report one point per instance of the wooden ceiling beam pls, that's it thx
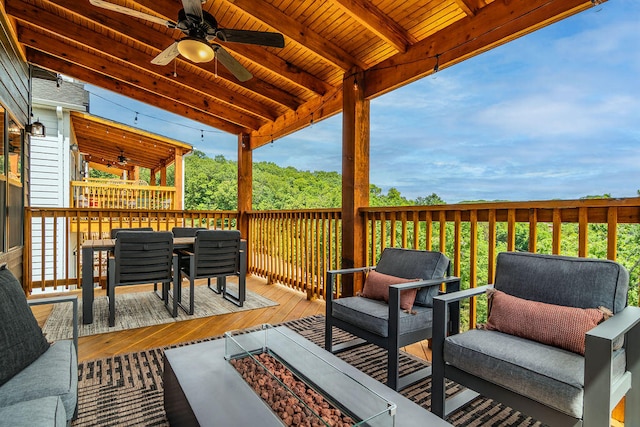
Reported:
(377, 22)
(51, 42)
(146, 33)
(274, 18)
(103, 167)
(150, 95)
(149, 83)
(471, 7)
(276, 65)
(120, 52)
(494, 25)
(256, 54)
(317, 109)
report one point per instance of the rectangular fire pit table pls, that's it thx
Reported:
(202, 388)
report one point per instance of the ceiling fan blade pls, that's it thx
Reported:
(167, 55)
(131, 12)
(262, 38)
(193, 7)
(231, 64)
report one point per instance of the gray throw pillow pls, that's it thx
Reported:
(21, 339)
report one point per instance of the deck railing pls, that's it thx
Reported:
(297, 247)
(54, 236)
(471, 235)
(120, 194)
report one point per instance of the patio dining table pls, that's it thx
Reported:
(89, 247)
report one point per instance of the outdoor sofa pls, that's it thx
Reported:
(38, 380)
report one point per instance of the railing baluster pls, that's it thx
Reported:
(612, 233)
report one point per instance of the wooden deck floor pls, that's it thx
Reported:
(291, 305)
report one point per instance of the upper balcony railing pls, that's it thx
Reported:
(297, 247)
(121, 194)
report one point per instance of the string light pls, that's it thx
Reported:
(311, 121)
(355, 84)
(135, 121)
(437, 66)
(153, 117)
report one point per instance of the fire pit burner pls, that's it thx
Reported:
(301, 387)
(293, 400)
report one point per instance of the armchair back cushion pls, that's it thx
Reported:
(568, 281)
(21, 339)
(411, 264)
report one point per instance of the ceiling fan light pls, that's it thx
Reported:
(195, 50)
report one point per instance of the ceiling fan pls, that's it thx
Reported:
(122, 159)
(200, 30)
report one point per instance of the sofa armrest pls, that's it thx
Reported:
(73, 299)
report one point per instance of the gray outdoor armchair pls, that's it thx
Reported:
(386, 324)
(216, 254)
(547, 349)
(141, 257)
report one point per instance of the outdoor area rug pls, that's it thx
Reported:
(126, 390)
(140, 309)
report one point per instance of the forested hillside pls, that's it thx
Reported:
(212, 184)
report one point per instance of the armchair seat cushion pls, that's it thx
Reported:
(44, 377)
(550, 375)
(373, 315)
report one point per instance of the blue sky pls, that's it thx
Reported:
(552, 115)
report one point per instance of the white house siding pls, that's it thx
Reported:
(50, 188)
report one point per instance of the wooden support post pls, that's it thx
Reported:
(245, 189)
(179, 180)
(355, 174)
(163, 176)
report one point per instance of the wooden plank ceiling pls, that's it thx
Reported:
(120, 147)
(394, 42)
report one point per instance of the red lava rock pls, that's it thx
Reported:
(287, 407)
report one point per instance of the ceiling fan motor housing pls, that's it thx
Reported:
(192, 26)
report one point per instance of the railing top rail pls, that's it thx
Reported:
(134, 212)
(543, 204)
(129, 186)
(295, 211)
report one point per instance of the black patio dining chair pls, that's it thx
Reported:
(216, 254)
(186, 231)
(395, 308)
(114, 231)
(141, 257)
